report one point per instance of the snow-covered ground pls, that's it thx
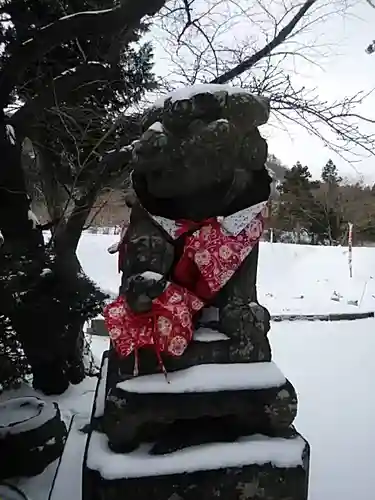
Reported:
(291, 278)
(332, 368)
(330, 364)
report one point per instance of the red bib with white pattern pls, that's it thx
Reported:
(210, 257)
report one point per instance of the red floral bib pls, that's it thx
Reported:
(211, 256)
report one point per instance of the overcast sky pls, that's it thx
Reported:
(345, 70)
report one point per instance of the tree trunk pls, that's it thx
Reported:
(54, 197)
(22, 260)
(65, 242)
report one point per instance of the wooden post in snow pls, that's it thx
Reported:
(350, 247)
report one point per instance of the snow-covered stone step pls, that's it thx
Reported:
(204, 334)
(209, 378)
(256, 395)
(68, 479)
(100, 394)
(249, 468)
(257, 449)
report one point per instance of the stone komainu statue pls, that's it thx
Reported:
(222, 425)
(200, 159)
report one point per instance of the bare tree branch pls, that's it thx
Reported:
(267, 49)
(275, 53)
(305, 108)
(59, 89)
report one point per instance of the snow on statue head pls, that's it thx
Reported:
(201, 184)
(201, 153)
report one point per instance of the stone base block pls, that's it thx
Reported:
(200, 404)
(255, 468)
(208, 346)
(67, 483)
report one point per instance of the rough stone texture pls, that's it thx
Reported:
(255, 482)
(243, 109)
(229, 351)
(148, 249)
(249, 483)
(201, 138)
(132, 418)
(29, 453)
(201, 156)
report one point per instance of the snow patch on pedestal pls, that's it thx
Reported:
(100, 399)
(188, 92)
(157, 127)
(209, 378)
(24, 414)
(252, 450)
(151, 275)
(208, 335)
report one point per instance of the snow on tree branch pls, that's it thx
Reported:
(124, 17)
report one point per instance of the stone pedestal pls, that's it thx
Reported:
(213, 431)
(221, 426)
(203, 403)
(255, 467)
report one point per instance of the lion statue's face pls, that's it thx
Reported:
(204, 150)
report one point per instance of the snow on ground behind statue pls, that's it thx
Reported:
(305, 279)
(331, 365)
(332, 368)
(291, 278)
